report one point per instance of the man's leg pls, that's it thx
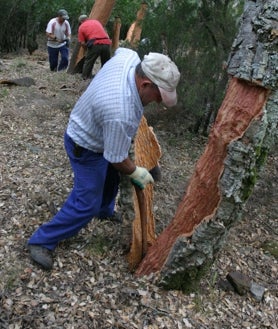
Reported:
(64, 62)
(83, 203)
(110, 192)
(105, 54)
(90, 58)
(53, 54)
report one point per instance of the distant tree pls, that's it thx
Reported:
(14, 17)
(197, 35)
(22, 20)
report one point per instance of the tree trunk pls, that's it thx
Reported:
(134, 33)
(101, 11)
(225, 175)
(116, 33)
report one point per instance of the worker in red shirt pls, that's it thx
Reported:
(93, 38)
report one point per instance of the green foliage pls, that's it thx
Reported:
(197, 35)
(25, 18)
(126, 10)
(48, 9)
(13, 17)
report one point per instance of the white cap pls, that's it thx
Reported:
(162, 71)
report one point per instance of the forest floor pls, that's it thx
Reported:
(90, 285)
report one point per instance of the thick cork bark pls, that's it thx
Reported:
(147, 154)
(225, 175)
(243, 104)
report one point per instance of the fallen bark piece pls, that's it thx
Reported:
(25, 82)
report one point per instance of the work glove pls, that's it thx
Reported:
(141, 177)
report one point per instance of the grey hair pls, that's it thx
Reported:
(139, 71)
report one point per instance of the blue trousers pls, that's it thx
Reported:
(93, 195)
(53, 56)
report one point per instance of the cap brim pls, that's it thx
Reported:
(65, 17)
(169, 98)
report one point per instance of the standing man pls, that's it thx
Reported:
(58, 34)
(96, 42)
(101, 127)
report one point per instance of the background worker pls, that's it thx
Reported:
(58, 34)
(95, 40)
(101, 127)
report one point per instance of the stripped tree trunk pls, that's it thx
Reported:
(116, 33)
(101, 11)
(134, 33)
(225, 175)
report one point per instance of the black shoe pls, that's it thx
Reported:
(41, 255)
(116, 218)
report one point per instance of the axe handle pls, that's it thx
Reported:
(143, 218)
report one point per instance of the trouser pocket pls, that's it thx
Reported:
(77, 150)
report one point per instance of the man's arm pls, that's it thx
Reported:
(140, 176)
(51, 36)
(125, 167)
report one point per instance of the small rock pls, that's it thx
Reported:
(257, 291)
(225, 285)
(240, 282)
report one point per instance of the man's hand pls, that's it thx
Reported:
(67, 42)
(141, 177)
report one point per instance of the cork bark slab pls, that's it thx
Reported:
(147, 154)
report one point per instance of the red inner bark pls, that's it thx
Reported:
(242, 104)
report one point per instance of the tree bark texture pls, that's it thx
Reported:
(101, 11)
(225, 175)
(146, 153)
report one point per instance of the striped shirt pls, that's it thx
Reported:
(106, 117)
